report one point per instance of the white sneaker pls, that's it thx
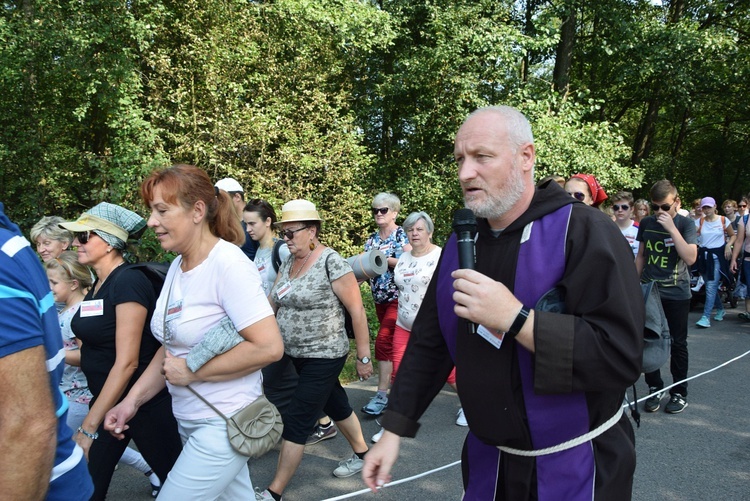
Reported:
(350, 467)
(375, 438)
(461, 418)
(698, 285)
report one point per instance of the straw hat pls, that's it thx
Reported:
(298, 210)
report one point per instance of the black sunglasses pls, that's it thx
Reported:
(578, 195)
(84, 236)
(379, 210)
(743, 205)
(618, 207)
(289, 234)
(664, 207)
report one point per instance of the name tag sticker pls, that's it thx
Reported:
(174, 310)
(284, 290)
(669, 242)
(92, 308)
(261, 267)
(492, 336)
(384, 248)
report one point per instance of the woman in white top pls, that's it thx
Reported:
(412, 276)
(259, 217)
(210, 279)
(715, 239)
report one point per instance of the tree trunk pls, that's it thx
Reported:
(564, 53)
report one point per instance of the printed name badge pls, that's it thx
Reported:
(284, 290)
(495, 338)
(384, 248)
(92, 308)
(669, 242)
(174, 310)
(261, 268)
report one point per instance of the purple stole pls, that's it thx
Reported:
(553, 419)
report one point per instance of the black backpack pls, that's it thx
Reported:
(276, 255)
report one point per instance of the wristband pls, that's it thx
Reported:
(92, 436)
(518, 322)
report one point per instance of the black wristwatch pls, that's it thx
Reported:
(518, 322)
(364, 360)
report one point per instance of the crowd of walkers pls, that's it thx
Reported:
(127, 376)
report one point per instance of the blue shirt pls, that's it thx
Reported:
(28, 318)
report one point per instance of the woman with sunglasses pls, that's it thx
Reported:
(622, 205)
(117, 346)
(311, 291)
(391, 240)
(715, 240)
(586, 188)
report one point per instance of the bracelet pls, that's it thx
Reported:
(92, 436)
(518, 322)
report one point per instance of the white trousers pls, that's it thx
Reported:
(208, 468)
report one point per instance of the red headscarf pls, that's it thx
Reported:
(598, 194)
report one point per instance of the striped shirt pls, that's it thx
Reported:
(28, 318)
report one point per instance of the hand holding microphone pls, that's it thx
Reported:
(465, 227)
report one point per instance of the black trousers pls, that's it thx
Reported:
(154, 431)
(676, 312)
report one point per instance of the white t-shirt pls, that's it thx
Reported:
(264, 262)
(227, 283)
(412, 276)
(712, 233)
(630, 233)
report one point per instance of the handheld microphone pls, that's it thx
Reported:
(465, 227)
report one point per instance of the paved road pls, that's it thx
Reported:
(700, 454)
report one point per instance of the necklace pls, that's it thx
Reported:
(304, 262)
(99, 284)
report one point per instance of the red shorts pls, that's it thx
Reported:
(387, 314)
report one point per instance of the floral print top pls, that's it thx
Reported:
(384, 289)
(73, 383)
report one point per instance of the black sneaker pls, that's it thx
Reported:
(652, 404)
(321, 433)
(676, 404)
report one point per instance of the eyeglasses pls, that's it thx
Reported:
(84, 236)
(289, 234)
(621, 207)
(743, 205)
(664, 207)
(577, 195)
(379, 210)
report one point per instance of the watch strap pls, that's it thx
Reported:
(519, 322)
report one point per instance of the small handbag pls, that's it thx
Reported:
(252, 431)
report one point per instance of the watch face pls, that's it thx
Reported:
(365, 360)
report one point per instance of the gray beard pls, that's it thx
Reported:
(496, 205)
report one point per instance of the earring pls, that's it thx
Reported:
(109, 250)
(312, 246)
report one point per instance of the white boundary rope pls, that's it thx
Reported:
(430, 472)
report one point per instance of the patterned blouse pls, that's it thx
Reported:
(384, 289)
(73, 384)
(310, 315)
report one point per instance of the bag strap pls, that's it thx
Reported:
(276, 254)
(163, 337)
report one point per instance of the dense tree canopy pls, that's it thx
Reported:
(336, 100)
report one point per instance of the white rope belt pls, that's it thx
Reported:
(574, 442)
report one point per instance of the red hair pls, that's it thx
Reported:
(185, 185)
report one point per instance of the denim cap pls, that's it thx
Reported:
(114, 224)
